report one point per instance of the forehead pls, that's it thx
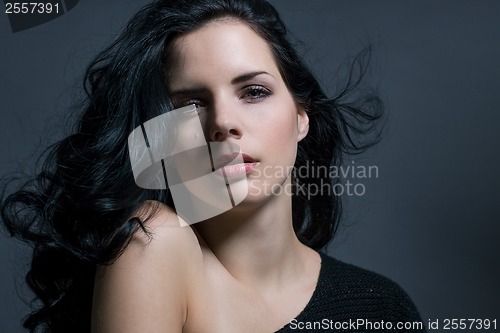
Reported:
(220, 49)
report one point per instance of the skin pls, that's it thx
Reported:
(241, 271)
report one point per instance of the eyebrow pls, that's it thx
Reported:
(236, 80)
(247, 76)
(188, 92)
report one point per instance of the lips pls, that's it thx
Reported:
(232, 159)
(235, 164)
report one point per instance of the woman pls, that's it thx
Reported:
(114, 255)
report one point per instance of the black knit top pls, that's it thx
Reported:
(351, 299)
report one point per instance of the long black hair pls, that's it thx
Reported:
(76, 211)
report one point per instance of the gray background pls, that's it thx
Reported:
(429, 222)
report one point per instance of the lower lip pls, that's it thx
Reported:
(235, 170)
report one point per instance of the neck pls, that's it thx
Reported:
(257, 245)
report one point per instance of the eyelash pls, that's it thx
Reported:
(247, 95)
(196, 102)
(263, 93)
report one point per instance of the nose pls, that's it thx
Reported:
(224, 123)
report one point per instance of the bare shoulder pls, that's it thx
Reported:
(145, 289)
(165, 229)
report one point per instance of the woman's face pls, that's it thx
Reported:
(230, 72)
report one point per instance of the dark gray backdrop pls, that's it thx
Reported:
(429, 221)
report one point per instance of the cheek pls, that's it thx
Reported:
(274, 124)
(285, 123)
(281, 136)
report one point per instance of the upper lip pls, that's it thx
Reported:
(229, 159)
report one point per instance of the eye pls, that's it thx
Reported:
(254, 94)
(195, 102)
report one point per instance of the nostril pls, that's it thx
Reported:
(220, 134)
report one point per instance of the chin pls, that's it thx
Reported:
(260, 192)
